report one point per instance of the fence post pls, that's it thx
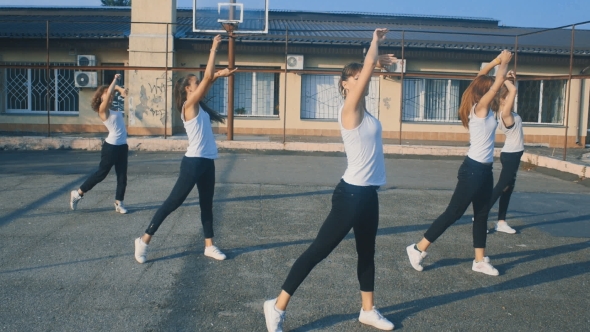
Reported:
(166, 88)
(285, 86)
(47, 102)
(569, 88)
(401, 93)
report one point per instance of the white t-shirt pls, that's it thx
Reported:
(514, 136)
(482, 134)
(364, 152)
(116, 126)
(201, 142)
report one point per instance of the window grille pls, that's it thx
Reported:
(541, 101)
(26, 90)
(435, 100)
(321, 99)
(255, 94)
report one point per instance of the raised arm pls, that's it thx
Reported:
(208, 78)
(488, 68)
(353, 109)
(122, 91)
(481, 110)
(103, 109)
(506, 108)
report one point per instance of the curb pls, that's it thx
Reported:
(180, 144)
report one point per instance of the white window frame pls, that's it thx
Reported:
(422, 103)
(30, 110)
(254, 96)
(540, 110)
(332, 107)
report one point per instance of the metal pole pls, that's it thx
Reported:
(230, 80)
(230, 87)
(285, 86)
(515, 54)
(166, 88)
(47, 71)
(401, 91)
(569, 87)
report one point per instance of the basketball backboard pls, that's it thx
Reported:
(247, 16)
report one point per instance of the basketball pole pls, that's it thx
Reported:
(230, 84)
(231, 61)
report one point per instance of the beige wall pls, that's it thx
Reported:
(150, 89)
(151, 45)
(86, 120)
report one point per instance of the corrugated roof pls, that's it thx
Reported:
(430, 32)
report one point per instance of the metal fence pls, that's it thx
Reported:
(426, 97)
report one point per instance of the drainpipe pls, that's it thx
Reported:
(581, 113)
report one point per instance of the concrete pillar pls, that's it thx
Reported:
(150, 92)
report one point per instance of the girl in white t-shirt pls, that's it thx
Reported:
(510, 124)
(355, 204)
(197, 167)
(475, 178)
(114, 148)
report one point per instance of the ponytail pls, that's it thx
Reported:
(180, 98)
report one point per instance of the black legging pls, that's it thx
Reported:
(110, 155)
(505, 186)
(353, 207)
(193, 171)
(474, 186)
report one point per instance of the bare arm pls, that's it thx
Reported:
(103, 109)
(488, 68)
(122, 91)
(353, 109)
(481, 110)
(208, 78)
(506, 109)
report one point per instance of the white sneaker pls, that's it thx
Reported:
(214, 252)
(274, 318)
(415, 257)
(119, 207)
(375, 319)
(504, 228)
(485, 267)
(140, 251)
(74, 199)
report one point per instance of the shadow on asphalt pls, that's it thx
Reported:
(536, 278)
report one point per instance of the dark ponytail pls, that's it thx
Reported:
(180, 98)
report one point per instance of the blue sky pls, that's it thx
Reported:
(523, 13)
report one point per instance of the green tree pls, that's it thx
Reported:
(116, 2)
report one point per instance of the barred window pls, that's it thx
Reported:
(255, 94)
(26, 89)
(435, 100)
(541, 101)
(321, 99)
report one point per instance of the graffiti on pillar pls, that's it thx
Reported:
(151, 100)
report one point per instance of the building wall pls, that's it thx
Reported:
(150, 90)
(86, 120)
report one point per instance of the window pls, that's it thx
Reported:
(321, 99)
(255, 94)
(26, 90)
(541, 101)
(433, 99)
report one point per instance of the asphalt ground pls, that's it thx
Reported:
(64, 270)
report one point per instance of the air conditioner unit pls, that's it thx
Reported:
(398, 66)
(86, 60)
(85, 79)
(294, 61)
(492, 72)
